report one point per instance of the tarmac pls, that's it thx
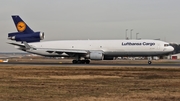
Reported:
(91, 64)
(68, 62)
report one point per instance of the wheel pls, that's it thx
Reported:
(82, 61)
(74, 61)
(149, 62)
(87, 61)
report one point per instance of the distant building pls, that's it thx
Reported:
(175, 56)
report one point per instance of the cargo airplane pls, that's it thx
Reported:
(84, 50)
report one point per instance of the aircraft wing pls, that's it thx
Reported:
(67, 51)
(59, 51)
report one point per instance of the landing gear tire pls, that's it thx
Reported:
(75, 61)
(87, 61)
(149, 62)
(81, 61)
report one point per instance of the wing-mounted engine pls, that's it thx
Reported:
(98, 55)
(27, 37)
(95, 55)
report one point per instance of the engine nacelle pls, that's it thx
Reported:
(95, 55)
(30, 37)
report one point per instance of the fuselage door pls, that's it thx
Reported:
(158, 46)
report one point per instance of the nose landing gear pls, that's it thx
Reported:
(149, 60)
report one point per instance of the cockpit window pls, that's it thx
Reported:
(165, 45)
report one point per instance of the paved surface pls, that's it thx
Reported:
(91, 64)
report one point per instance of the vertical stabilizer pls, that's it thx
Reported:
(25, 33)
(20, 25)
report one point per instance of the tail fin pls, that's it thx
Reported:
(24, 34)
(21, 26)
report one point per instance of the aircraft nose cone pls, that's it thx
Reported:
(171, 48)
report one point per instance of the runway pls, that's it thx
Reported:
(112, 82)
(92, 64)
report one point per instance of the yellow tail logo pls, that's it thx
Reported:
(21, 26)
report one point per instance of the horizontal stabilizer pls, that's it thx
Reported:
(27, 45)
(15, 44)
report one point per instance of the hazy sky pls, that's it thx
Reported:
(93, 19)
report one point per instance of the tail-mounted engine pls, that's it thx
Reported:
(28, 37)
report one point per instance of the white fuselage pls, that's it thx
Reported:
(108, 47)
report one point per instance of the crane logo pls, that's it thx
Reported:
(21, 26)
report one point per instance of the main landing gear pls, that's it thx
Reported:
(81, 61)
